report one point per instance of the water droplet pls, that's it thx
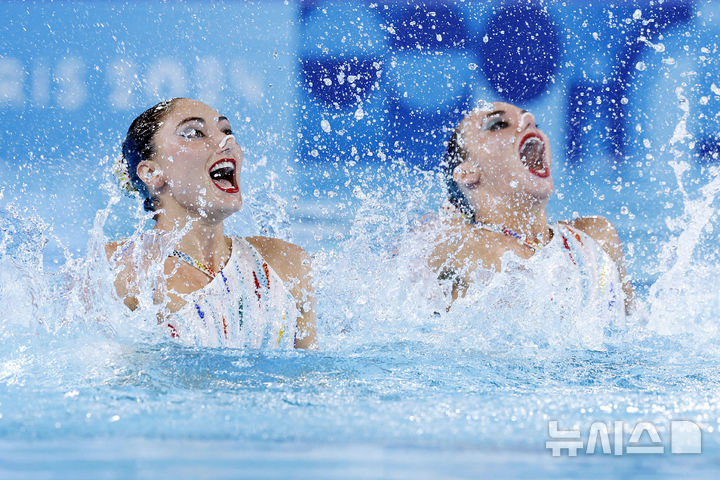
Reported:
(325, 125)
(359, 113)
(641, 66)
(472, 66)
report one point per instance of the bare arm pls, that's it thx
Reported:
(603, 232)
(292, 264)
(125, 282)
(458, 252)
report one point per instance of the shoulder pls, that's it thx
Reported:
(111, 248)
(125, 272)
(115, 250)
(601, 230)
(287, 259)
(459, 247)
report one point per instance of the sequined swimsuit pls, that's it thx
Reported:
(574, 262)
(245, 305)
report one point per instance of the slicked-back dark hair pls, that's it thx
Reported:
(139, 145)
(454, 156)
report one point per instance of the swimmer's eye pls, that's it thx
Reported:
(495, 123)
(192, 133)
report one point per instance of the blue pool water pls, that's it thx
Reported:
(396, 389)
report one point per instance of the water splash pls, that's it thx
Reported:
(393, 359)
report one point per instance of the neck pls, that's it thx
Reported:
(204, 240)
(528, 219)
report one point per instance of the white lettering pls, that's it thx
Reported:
(11, 81)
(165, 79)
(121, 75)
(40, 86)
(246, 85)
(71, 84)
(636, 436)
(563, 440)
(210, 82)
(685, 437)
(598, 429)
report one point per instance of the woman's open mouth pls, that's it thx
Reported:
(222, 173)
(532, 154)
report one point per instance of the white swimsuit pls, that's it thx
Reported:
(245, 305)
(570, 278)
(590, 271)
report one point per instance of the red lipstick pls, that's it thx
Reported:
(223, 175)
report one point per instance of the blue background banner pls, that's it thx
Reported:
(625, 92)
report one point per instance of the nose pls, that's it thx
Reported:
(526, 120)
(225, 143)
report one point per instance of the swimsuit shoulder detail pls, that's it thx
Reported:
(244, 305)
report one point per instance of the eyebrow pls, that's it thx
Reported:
(221, 118)
(500, 112)
(191, 119)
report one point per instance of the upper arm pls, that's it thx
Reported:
(125, 284)
(456, 255)
(603, 232)
(292, 264)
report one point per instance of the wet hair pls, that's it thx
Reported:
(139, 145)
(454, 156)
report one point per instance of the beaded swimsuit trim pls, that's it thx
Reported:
(449, 210)
(261, 281)
(194, 262)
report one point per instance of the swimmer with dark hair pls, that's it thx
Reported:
(497, 171)
(180, 157)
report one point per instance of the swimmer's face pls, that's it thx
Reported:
(198, 161)
(506, 151)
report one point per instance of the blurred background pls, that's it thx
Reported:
(327, 97)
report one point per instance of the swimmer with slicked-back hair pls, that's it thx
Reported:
(498, 175)
(181, 158)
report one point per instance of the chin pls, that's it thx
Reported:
(219, 210)
(228, 208)
(543, 190)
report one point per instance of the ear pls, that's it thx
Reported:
(467, 175)
(152, 176)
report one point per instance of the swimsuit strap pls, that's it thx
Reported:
(508, 233)
(262, 268)
(448, 210)
(194, 262)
